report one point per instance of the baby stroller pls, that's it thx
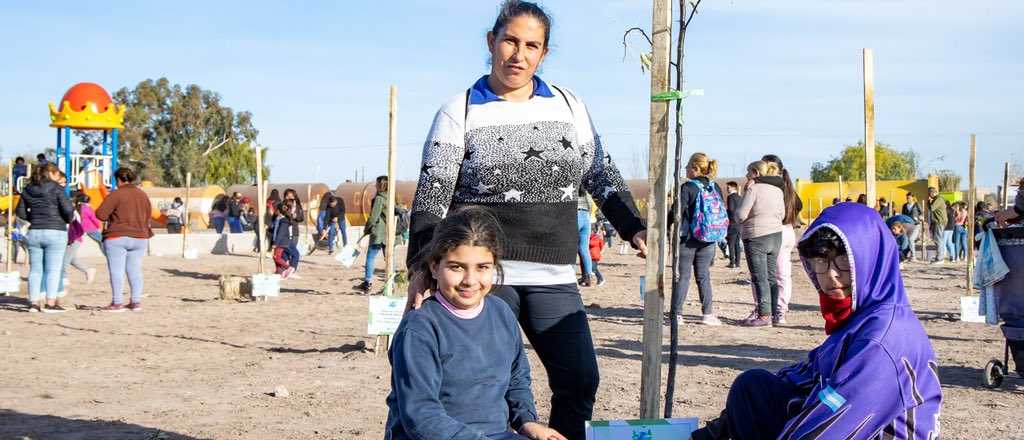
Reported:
(1009, 295)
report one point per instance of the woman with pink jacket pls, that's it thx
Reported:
(761, 216)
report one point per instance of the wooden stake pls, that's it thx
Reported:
(185, 226)
(389, 259)
(841, 188)
(309, 210)
(657, 177)
(1006, 186)
(260, 187)
(971, 196)
(869, 127)
(10, 214)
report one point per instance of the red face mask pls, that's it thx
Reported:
(835, 311)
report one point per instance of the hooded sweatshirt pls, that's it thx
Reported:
(875, 376)
(763, 208)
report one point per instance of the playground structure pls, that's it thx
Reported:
(87, 106)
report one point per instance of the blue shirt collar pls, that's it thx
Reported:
(481, 92)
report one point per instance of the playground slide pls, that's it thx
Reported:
(96, 195)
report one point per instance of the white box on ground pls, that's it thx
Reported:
(266, 285)
(654, 429)
(191, 254)
(10, 282)
(385, 314)
(969, 309)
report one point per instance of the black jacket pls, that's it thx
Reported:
(45, 207)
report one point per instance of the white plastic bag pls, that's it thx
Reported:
(347, 255)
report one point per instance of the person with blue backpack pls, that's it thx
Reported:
(703, 222)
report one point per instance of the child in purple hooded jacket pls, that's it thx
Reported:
(874, 376)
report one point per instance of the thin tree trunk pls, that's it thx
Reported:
(677, 207)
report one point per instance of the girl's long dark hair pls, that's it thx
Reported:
(789, 195)
(42, 173)
(471, 225)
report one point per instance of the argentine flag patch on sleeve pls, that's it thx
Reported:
(831, 398)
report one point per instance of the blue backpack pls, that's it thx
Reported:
(710, 221)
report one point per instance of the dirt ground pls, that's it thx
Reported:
(190, 366)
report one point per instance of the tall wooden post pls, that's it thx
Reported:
(869, 127)
(841, 188)
(185, 213)
(657, 177)
(10, 215)
(389, 257)
(971, 201)
(260, 187)
(1006, 186)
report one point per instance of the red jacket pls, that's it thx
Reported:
(596, 244)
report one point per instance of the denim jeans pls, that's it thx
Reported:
(762, 262)
(597, 272)
(45, 255)
(912, 233)
(235, 225)
(371, 257)
(583, 248)
(218, 224)
(695, 258)
(947, 243)
(124, 254)
(940, 245)
(960, 242)
(71, 259)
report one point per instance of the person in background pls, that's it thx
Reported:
(902, 227)
(126, 212)
(1015, 213)
(609, 233)
(280, 237)
(583, 227)
(784, 274)
(862, 199)
(20, 170)
(41, 160)
(596, 245)
(695, 254)
(234, 213)
(218, 211)
(174, 214)
(334, 219)
(960, 231)
(761, 216)
(45, 206)
(982, 213)
(937, 219)
(836, 201)
(732, 238)
(298, 218)
(376, 228)
(875, 376)
(884, 208)
(848, 199)
(913, 210)
(75, 233)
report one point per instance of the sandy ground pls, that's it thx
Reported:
(190, 366)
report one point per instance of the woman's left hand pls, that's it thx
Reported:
(640, 242)
(536, 431)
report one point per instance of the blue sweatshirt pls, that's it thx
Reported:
(455, 378)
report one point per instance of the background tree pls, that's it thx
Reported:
(949, 180)
(890, 164)
(174, 129)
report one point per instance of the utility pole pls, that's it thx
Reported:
(869, 126)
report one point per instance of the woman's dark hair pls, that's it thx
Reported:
(125, 174)
(298, 203)
(823, 243)
(862, 199)
(789, 195)
(382, 184)
(466, 226)
(511, 9)
(42, 173)
(220, 202)
(275, 196)
(178, 200)
(79, 197)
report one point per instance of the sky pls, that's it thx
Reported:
(778, 77)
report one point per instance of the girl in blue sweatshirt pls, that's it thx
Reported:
(459, 370)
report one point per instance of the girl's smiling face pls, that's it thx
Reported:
(465, 275)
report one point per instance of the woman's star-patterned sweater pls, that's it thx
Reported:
(525, 161)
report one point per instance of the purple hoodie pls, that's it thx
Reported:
(875, 376)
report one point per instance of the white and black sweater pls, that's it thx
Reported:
(524, 160)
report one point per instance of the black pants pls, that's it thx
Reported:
(695, 258)
(556, 326)
(733, 239)
(762, 261)
(758, 407)
(174, 228)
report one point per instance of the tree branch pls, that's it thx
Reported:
(693, 11)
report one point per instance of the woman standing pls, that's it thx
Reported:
(126, 211)
(298, 219)
(522, 147)
(695, 255)
(784, 264)
(47, 208)
(376, 228)
(761, 216)
(960, 231)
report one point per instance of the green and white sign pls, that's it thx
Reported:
(385, 314)
(653, 429)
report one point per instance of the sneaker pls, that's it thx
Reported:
(710, 320)
(760, 321)
(287, 273)
(90, 275)
(585, 281)
(752, 315)
(115, 308)
(600, 282)
(134, 306)
(779, 319)
(54, 309)
(34, 308)
(364, 286)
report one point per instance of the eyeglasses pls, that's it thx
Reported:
(821, 266)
